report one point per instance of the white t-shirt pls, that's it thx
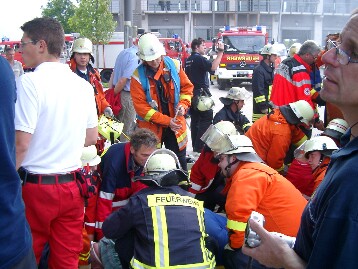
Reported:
(56, 106)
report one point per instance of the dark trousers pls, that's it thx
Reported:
(238, 260)
(213, 196)
(28, 262)
(170, 142)
(200, 122)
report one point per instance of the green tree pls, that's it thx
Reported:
(93, 20)
(60, 10)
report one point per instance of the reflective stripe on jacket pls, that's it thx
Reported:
(150, 115)
(292, 82)
(169, 229)
(257, 187)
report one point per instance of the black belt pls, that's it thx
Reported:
(50, 179)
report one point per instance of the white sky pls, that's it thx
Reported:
(15, 13)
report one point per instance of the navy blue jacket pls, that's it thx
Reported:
(328, 234)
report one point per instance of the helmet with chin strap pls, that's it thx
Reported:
(162, 168)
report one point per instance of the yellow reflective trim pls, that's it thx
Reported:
(165, 243)
(203, 265)
(174, 200)
(299, 143)
(236, 225)
(246, 125)
(313, 91)
(255, 117)
(281, 168)
(260, 99)
(149, 114)
(155, 236)
(185, 96)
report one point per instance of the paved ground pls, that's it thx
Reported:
(216, 93)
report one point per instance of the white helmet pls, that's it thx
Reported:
(336, 128)
(323, 144)
(205, 103)
(274, 50)
(149, 47)
(295, 47)
(266, 49)
(82, 45)
(89, 156)
(214, 135)
(303, 111)
(235, 93)
(163, 168)
(241, 146)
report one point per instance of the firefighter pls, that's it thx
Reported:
(80, 64)
(197, 67)
(161, 94)
(272, 135)
(119, 165)
(300, 176)
(167, 224)
(253, 186)
(206, 179)
(317, 152)
(233, 103)
(262, 78)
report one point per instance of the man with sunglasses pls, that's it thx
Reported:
(327, 237)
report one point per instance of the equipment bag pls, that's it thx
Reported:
(86, 182)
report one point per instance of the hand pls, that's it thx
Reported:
(174, 126)
(108, 112)
(319, 125)
(180, 110)
(264, 111)
(273, 250)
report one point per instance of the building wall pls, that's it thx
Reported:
(300, 19)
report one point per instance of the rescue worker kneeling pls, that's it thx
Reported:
(167, 224)
(254, 186)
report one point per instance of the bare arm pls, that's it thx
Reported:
(91, 136)
(23, 140)
(273, 251)
(120, 85)
(220, 53)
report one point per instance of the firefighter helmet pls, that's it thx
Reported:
(303, 111)
(295, 47)
(241, 146)
(89, 156)
(323, 144)
(235, 93)
(82, 45)
(274, 50)
(214, 135)
(205, 103)
(163, 169)
(266, 49)
(149, 47)
(336, 128)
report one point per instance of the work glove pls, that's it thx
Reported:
(108, 112)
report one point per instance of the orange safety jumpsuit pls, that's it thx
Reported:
(95, 79)
(320, 172)
(154, 119)
(257, 187)
(272, 136)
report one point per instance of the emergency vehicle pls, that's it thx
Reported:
(16, 46)
(241, 54)
(107, 54)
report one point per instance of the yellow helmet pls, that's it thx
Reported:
(149, 47)
(82, 45)
(295, 47)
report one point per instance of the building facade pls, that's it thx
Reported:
(287, 21)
